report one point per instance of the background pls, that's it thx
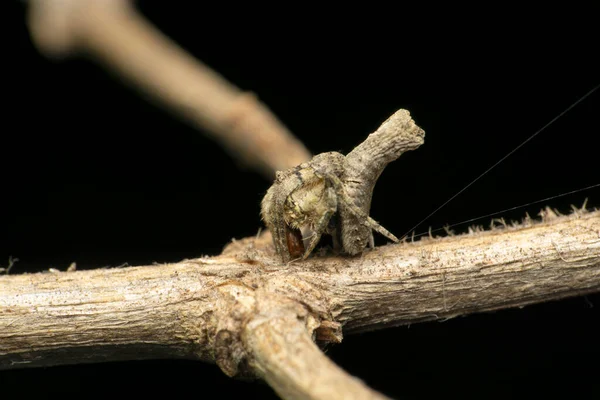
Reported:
(90, 172)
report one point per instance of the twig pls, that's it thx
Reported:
(113, 33)
(11, 263)
(287, 358)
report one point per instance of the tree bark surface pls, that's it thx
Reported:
(201, 308)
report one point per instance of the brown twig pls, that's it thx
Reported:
(214, 309)
(285, 355)
(113, 33)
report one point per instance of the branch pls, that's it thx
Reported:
(285, 355)
(113, 33)
(215, 309)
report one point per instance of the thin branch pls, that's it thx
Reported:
(113, 33)
(285, 355)
(211, 308)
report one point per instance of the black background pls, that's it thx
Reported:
(91, 172)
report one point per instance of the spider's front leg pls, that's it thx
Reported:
(327, 206)
(354, 245)
(287, 239)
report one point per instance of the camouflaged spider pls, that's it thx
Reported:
(308, 196)
(332, 193)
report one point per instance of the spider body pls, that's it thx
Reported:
(306, 198)
(301, 198)
(331, 194)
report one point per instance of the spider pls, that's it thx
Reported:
(331, 194)
(310, 196)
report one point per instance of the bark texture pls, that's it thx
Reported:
(208, 308)
(285, 355)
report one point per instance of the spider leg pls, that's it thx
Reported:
(362, 216)
(371, 241)
(272, 214)
(371, 223)
(272, 209)
(322, 223)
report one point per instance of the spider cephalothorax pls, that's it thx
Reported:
(332, 193)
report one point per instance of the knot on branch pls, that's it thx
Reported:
(243, 311)
(236, 305)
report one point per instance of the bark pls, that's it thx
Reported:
(285, 355)
(231, 308)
